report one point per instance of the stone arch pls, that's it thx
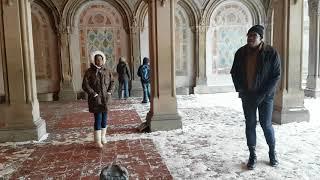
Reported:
(226, 32)
(55, 15)
(101, 28)
(141, 13)
(69, 12)
(46, 55)
(256, 9)
(192, 11)
(77, 33)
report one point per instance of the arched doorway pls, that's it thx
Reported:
(229, 23)
(184, 52)
(45, 54)
(101, 28)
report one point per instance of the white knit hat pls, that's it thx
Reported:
(94, 53)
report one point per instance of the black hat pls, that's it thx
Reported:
(257, 29)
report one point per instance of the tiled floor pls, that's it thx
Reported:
(69, 153)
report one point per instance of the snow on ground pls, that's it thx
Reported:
(212, 143)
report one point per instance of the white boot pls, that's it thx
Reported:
(97, 138)
(103, 135)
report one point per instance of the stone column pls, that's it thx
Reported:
(268, 34)
(288, 31)
(201, 74)
(313, 79)
(163, 114)
(20, 113)
(136, 89)
(67, 91)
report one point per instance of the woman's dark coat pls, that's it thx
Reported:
(98, 81)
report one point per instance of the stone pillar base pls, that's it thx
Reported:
(204, 89)
(18, 135)
(44, 97)
(2, 99)
(298, 114)
(312, 93)
(67, 93)
(21, 123)
(164, 122)
(183, 90)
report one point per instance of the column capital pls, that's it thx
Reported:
(64, 29)
(134, 28)
(201, 29)
(163, 2)
(314, 7)
(9, 2)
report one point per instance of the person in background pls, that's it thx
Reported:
(144, 74)
(255, 73)
(98, 83)
(123, 77)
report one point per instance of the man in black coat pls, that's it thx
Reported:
(255, 73)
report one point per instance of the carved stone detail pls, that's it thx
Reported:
(163, 2)
(314, 7)
(9, 2)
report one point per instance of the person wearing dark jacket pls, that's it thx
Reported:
(98, 83)
(123, 77)
(255, 73)
(144, 74)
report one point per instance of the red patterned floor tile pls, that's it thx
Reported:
(85, 119)
(124, 117)
(85, 161)
(74, 120)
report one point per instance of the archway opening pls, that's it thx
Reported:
(184, 52)
(47, 65)
(229, 23)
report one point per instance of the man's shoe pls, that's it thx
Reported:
(252, 163)
(273, 156)
(252, 158)
(273, 159)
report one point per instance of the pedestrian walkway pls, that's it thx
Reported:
(69, 153)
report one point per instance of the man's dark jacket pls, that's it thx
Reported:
(267, 73)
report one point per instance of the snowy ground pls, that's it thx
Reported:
(212, 143)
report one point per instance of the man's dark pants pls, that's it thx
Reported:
(265, 108)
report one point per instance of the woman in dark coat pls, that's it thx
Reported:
(124, 77)
(98, 83)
